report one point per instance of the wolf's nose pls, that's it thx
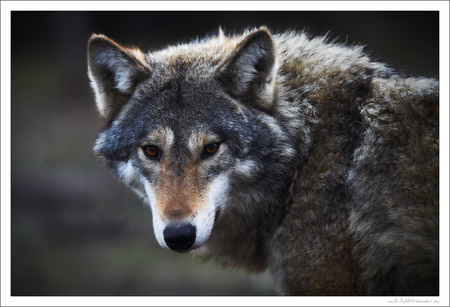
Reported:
(180, 237)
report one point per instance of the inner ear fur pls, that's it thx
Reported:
(248, 73)
(114, 71)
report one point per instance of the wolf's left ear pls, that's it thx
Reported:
(249, 72)
(114, 72)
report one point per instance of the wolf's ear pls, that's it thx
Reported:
(250, 71)
(114, 72)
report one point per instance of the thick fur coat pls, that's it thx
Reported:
(280, 152)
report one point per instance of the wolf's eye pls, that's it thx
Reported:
(210, 149)
(152, 152)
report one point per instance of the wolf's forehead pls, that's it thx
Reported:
(191, 139)
(182, 66)
(197, 54)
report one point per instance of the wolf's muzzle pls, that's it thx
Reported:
(180, 237)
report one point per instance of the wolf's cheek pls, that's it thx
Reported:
(158, 224)
(131, 176)
(213, 208)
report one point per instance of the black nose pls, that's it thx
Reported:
(180, 237)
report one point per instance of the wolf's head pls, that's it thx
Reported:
(193, 129)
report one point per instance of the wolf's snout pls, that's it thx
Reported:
(180, 237)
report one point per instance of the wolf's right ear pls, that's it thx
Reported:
(114, 72)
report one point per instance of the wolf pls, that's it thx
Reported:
(279, 151)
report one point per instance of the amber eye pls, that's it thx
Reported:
(210, 149)
(151, 152)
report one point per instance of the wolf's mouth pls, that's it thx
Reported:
(217, 214)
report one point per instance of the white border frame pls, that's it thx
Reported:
(8, 6)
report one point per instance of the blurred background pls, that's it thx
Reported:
(76, 230)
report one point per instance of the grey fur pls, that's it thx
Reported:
(328, 164)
